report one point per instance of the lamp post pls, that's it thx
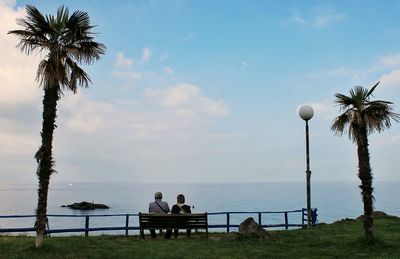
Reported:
(306, 112)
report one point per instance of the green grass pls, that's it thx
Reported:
(342, 239)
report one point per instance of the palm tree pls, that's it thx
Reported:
(65, 41)
(360, 117)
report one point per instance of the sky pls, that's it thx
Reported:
(206, 91)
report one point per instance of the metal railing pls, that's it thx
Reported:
(229, 224)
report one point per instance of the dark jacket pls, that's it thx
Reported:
(177, 210)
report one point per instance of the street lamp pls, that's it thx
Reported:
(306, 112)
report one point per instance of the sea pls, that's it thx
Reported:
(334, 201)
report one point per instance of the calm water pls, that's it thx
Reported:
(334, 200)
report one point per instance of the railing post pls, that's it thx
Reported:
(286, 220)
(48, 227)
(86, 225)
(259, 219)
(227, 222)
(126, 224)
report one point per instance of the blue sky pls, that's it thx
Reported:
(206, 91)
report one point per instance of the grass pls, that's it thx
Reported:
(342, 239)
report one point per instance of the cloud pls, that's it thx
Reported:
(156, 114)
(17, 70)
(12, 143)
(336, 72)
(391, 60)
(396, 138)
(317, 17)
(122, 61)
(187, 99)
(390, 64)
(126, 75)
(124, 68)
(168, 71)
(297, 19)
(325, 110)
(146, 54)
(325, 16)
(391, 79)
(230, 136)
(89, 118)
(163, 57)
(188, 37)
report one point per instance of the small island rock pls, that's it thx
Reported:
(84, 205)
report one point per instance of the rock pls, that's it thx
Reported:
(249, 228)
(84, 205)
(377, 214)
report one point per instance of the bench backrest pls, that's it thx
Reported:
(176, 221)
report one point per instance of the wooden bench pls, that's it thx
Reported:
(172, 221)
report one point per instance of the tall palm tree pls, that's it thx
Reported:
(360, 117)
(65, 41)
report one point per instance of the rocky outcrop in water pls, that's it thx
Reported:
(84, 205)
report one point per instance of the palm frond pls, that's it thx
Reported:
(340, 123)
(343, 101)
(372, 89)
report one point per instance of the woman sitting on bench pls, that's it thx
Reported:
(181, 208)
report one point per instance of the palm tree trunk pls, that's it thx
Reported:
(45, 160)
(365, 176)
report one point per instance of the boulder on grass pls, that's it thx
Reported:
(378, 214)
(249, 228)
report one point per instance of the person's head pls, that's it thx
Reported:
(180, 198)
(158, 195)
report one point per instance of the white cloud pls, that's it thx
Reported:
(146, 54)
(391, 79)
(188, 37)
(325, 110)
(168, 71)
(163, 57)
(88, 117)
(230, 136)
(17, 143)
(297, 19)
(391, 60)
(317, 17)
(122, 61)
(180, 95)
(396, 138)
(17, 70)
(336, 72)
(325, 16)
(126, 75)
(187, 98)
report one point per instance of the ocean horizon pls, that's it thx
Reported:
(334, 200)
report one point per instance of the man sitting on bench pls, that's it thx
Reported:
(161, 207)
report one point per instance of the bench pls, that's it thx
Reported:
(172, 221)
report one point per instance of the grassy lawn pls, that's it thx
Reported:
(342, 239)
